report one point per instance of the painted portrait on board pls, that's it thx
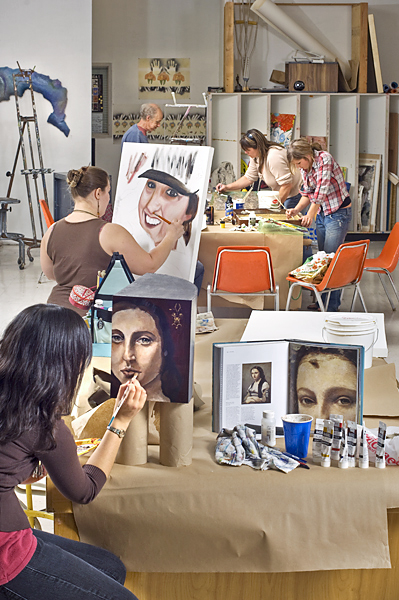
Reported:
(156, 185)
(151, 341)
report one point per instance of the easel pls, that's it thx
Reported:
(25, 77)
(188, 107)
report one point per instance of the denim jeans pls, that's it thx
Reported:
(292, 201)
(64, 569)
(331, 232)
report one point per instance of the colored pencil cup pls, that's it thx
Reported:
(296, 434)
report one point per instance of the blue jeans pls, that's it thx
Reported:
(64, 569)
(292, 202)
(331, 232)
(199, 275)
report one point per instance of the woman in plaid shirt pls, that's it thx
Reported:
(325, 190)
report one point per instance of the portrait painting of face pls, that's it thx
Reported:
(164, 199)
(256, 382)
(326, 382)
(150, 342)
(159, 184)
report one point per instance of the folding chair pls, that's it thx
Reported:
(243, 271)
(345, 270)
(48, 217)
(386, 262)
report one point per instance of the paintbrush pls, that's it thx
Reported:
(125, 395)
(162, 218)
(248, 192)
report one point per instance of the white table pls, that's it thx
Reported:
(294, 325)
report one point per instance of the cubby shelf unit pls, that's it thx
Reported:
(352, 123)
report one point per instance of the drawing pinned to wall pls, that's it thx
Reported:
(281, 128)
(156, 185)
(194, 126)
(51, 90)
(160, 76)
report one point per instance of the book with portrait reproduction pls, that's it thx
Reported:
(285, 376)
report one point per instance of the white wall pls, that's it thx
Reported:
(126, 30)
(55, 37)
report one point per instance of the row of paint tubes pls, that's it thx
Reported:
(346, 445)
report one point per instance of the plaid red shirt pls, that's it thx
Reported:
(324, 184)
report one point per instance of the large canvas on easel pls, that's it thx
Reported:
(171, 181)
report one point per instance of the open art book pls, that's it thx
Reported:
(285, 376)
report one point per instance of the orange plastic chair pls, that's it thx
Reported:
(243, 271)
(386, 262)
(345, 270)
(46, 213)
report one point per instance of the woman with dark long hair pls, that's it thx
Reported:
(258, 391)
(44, 352)
(267, 161)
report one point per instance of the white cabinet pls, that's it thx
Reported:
(353, 124)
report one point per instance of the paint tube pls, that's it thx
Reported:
(328, 431)
(316, 444)
(352, 443)
(380, 452)
(363, 450)
(338, 421)
(343, 451)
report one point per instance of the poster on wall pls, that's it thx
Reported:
(160, 76)
(157, 184)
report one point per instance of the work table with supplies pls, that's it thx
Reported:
(208, 531)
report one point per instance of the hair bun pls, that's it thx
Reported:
(74, 177)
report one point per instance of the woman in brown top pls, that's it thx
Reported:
(75, 248)
(269, 162)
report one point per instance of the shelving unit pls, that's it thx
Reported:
(352, 123)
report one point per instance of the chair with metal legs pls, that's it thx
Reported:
(243, 271)
(345, 270)
(386, 262)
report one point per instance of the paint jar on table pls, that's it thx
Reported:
(222, 223)
(229, 206)
(358, 331)
(268, 428)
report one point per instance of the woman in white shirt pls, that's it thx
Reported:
(267, 161)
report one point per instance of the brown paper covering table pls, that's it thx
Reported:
(207, 532)
(286, 251)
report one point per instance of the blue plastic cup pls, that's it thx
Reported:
(297, 433)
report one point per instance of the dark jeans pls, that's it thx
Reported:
(292, 202)
(199, 275)
(331, 233)
(63, 569)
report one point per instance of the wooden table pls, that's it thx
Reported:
(286, 251)
(344, 584)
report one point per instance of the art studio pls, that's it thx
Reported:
(199, 355)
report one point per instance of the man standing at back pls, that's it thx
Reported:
(150, 118)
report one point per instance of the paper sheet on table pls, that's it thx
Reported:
(381, 394)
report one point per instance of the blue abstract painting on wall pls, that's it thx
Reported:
(51, 90)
